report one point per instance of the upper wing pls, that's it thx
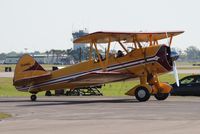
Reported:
(100, 77)
(105, 37)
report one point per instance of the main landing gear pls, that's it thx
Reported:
(150, 85)
(33, 97)
(142, 94)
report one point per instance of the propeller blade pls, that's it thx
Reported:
(175, 73)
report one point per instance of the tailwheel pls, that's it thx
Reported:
(33, 97)
(142, 94)
(161, 96)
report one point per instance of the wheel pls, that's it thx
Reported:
(48, 93)
(142, 94)
(33, 97)
(161, 96)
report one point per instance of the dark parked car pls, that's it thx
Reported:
(189, 86)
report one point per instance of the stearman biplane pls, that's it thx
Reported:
(145, 62)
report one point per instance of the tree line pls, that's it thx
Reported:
(190, 54)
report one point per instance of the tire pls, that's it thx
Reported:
(161, 96)
(142, 94)
(33, 97)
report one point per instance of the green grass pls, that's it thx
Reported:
(3, 115)
(7, 89)
(113, 89)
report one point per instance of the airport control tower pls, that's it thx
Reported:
(78, 34)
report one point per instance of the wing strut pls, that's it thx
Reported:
(99, 57)
(123, 46)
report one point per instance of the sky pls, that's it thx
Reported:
(41, 25)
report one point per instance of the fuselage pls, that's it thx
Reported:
(152, 59)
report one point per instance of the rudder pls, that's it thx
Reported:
(28, 69)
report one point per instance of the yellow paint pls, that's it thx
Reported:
(29, 73)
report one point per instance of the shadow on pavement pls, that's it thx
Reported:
(24, 103)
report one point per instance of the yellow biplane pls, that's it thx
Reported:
(142, 61)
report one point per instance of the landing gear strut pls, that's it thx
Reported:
(33, 97)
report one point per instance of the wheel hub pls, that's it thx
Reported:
(141, 93)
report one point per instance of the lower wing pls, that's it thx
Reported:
(100, 77)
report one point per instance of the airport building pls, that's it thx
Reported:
(11, 60)
(78, 34)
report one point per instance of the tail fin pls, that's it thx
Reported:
(28, 69)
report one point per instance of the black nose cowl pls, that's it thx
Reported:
(174, 55)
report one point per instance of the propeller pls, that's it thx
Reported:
(175, 73)
(174, 57)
